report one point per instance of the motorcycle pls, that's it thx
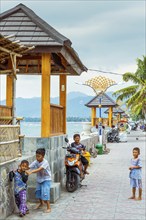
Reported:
(113, 136)
(72, 164)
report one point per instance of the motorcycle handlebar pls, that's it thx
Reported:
(64, 147)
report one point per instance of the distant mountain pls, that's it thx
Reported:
(31, 107)
(72, 95)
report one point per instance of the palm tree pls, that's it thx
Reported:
(135, 95)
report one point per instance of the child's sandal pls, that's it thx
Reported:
(21, 214)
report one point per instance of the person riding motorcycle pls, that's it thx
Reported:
(76, 144)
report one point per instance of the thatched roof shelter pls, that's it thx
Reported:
(102, 100)
(115, 111)
(31, 30)
(106, 101)
(52, 55)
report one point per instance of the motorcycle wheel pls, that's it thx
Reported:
(75, 181)
(110, 140)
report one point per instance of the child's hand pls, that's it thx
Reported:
(28, 172)
(130, 168)
(82, 151)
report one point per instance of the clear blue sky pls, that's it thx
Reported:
(107, 35)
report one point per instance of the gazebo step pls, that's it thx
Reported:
(55, 191)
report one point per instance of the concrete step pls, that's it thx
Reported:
(55, 192)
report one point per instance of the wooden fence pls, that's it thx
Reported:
(5, 115)
(56, 119)
(9, 142)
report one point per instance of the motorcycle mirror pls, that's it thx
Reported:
(66, 140)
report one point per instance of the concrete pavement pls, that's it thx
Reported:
(107, 191)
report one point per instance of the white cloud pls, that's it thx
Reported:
(107, 36)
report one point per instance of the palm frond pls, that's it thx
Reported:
(129, 89)
(125, 93)
(134, 98)
(137, 109)
(132, 77)
(141, 70)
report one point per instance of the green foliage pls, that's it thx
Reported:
(135, 95)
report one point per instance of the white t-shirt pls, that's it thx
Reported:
(44, 174)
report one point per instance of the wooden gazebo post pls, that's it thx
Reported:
(119, 117)
(93, 115)
(63, 88)
(11, 90)
(46, 72)
(110, 115)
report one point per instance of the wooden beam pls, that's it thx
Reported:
(93, 115)
(6, 71)
(46, 49)
(63, 87)
(45, 119)
(118, 117)
(2, 66)
(9, 89)
(13, 60)
(73, 67)
(30, 57)
(10, 52)
(110, 115)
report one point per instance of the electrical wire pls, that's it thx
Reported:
(101, 71)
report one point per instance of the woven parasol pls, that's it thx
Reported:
(100, 83)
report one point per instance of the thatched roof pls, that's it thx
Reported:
(31, 30)
(115, 111)
(106, 101)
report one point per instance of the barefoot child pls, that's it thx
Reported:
(42, 168)
(20, 179)
(136, 174)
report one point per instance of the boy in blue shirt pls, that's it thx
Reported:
(136, 174)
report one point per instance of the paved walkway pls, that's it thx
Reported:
(107, 191)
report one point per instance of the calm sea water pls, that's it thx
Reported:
(33, 129)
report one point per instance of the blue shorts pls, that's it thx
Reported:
(136, 183)
(43, 190)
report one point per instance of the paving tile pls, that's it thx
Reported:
(106, 194)
(124, 216)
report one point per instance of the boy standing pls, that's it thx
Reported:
(42, 168)
(136, 174)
